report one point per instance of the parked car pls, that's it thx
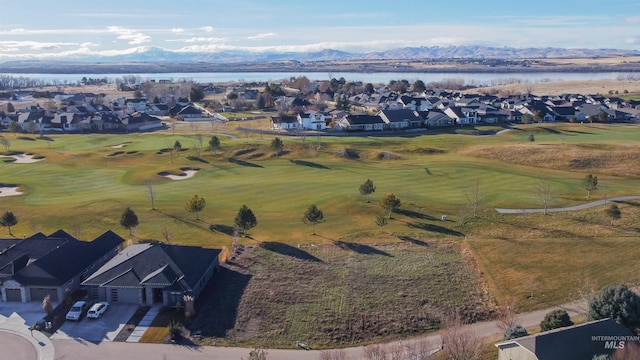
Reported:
(77, 310)
(97, 310)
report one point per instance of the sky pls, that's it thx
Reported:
(66, 29)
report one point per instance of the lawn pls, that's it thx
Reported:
(82, 186)
(86, 181)
(340, 294)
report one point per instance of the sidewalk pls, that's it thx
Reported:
(144, 324)
(15, 325)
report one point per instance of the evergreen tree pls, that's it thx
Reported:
(245, 219)
(367, 188)
(129, 220)
(313, 216)
(195, 205)
(8, 220)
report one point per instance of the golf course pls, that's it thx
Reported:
(82, 183)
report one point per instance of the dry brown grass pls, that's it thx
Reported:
(563, 87)
(609, 159)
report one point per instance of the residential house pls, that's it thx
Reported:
(585, 112)
(66, 121)
(190, 113)
(415, 103)
(462, 115)
(284, 122)
(401, 119)
(578, 342)
(141, 122)
(312, 120)
(436, 118)
(361, 122)
(133, 105)
(153, 273)
(43, 265)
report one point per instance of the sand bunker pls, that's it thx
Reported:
(9, 191)
(120, 146)
(186, 173)
(24, 158)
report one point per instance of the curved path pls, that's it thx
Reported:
(79, 349)
(570, 208)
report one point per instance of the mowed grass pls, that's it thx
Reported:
(342, 293)
(82, 186)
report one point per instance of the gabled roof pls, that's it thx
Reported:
(160, 265)
(401, 115)
(68, 259)
(363, 119)
(190, 110)
(570, 343)
(284, 119)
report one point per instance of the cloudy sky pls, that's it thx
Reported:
(65, 29)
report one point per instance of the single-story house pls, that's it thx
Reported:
(285, 122)
(401, 119)
(361, 122)
(153, 273)
(190, 113)
(42, 265)
(576, 342)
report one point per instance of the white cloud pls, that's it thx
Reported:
(198, 39)
(631, 40)
(177, 30)
(34, 45)
(134, 37)
(261, 36)
(207, 29)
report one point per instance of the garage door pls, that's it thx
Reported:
(13, 295)
(127, 296)
(37, 294)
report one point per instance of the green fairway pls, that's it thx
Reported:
(86, 181)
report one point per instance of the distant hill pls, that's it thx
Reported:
(156, 54)
(155, 59)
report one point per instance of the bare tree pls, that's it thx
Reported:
(333, 355)
(507, 315)
(473, 196)
(460, 343)
(166, 234)
(5, 143)
(544, 193)
(151, 193)
(532, 285)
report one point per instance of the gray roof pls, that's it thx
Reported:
(570, 343)
(401, 115)
(54, 259)
(159, 265)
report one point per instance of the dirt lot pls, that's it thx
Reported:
(345, 293)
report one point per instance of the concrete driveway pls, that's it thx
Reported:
(96, 330)
(31, 312)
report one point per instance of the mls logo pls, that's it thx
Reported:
(612, 345)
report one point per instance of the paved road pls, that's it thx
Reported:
(80, 349)
(570, 208)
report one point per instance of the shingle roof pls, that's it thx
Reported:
(363, 119)
(179, 267)
(68, 259)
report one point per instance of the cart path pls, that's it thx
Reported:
(105, 350)
(570, 208)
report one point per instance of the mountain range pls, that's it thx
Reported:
(156, 54)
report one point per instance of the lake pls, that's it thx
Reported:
(382, 77)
